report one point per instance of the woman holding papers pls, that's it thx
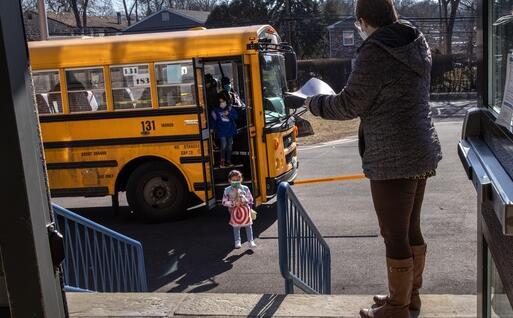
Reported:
(389, 90)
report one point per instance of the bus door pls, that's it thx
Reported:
(206, 142)
(252, 131)
(243, 157)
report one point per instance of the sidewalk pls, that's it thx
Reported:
(99, 305)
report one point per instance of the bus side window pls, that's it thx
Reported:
(86, 90)
(47, 88)
(175, 84)
(130, 86)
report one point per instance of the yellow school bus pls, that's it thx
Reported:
(129, 113)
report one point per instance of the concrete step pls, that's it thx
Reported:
(99, 305)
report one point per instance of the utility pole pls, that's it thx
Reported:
(43, 23)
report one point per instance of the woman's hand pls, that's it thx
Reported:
(312, 104)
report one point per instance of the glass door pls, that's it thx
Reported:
(206, 151)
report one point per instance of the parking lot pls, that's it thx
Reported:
(196, 255)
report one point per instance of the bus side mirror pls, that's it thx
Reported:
(294, 101)
(291, 65)
(304, 128)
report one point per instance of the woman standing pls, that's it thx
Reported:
(389, 90)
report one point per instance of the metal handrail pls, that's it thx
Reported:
(305, 257)
(98, 258)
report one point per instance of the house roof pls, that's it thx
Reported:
(198, 16)
(348, 19)
(92, 21)
(195, 17)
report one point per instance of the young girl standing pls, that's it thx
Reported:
(238, 199)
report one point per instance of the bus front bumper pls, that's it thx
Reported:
(272, 183)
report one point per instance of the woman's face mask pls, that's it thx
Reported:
(364, 35)
(227, 87)
(236, 183)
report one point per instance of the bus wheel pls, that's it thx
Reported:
(156, 192)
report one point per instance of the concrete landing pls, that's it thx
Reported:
(99, 305)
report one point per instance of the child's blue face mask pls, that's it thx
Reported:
(236, 184)
(227, 87)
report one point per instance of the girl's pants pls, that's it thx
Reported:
(249, 233)
(226, 148)
(398, 203)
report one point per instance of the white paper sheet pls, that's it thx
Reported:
(313, 87)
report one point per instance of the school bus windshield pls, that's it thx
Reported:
(274, 85)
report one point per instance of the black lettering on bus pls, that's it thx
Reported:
(147, 125)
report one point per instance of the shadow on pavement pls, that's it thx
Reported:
(187, 255)
(267, 306)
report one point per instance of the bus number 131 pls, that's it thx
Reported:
(148, 125)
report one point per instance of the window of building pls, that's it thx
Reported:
(348, 38)
(130, 86)
(501, 45)
(47, 87)
(175, 84)
(165, 16)
(86, 90)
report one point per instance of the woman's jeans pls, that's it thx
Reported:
(249, 233)
(398, 203)
(226, 149)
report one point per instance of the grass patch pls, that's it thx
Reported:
(328, 130)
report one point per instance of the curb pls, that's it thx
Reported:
(100, 305)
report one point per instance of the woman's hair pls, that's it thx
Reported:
(234, 173)
(376, 13)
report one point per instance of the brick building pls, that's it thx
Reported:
(344, 38)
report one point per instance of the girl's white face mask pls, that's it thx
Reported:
(223, 105)
(362, 33)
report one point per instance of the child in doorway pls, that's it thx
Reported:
(238, 199)
(224, 118)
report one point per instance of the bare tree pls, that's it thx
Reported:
(82, 8)
(129, 6)
(448, 12)
(101, 8)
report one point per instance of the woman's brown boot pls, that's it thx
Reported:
(419, 261)
(400, 281)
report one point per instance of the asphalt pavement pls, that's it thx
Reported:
(196, 254)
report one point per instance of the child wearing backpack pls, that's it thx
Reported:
(224, 118)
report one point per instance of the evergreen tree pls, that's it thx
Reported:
(238, 13)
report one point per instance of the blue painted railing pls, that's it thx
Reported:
(97, 258)
(305, 259)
